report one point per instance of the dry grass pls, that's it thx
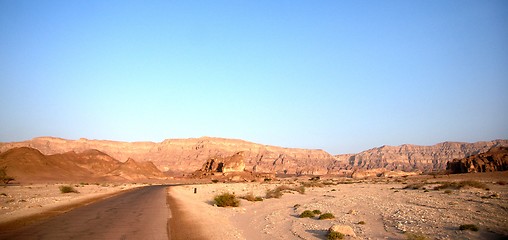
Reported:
(251, 198)
(461, 184)
(226, 200)
(279, 191)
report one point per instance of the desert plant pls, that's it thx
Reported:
(251, 198)
(226, 200)
(448, 191)
(215, 180)
(332, 235)
(279, 191)
(471, 227)
(415, 236)
(326, 216)
(316, 212)
(67, 189)
(307, 214)
(361, 223)
(414, 186)
(312, 184)
(4, 177)
(461, 184)
(502, 183)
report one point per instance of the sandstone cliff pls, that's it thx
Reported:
(496, 159)
(187, 155)
(412, 157)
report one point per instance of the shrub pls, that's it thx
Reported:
(312, 184)
(67, 189)
(502, 183)
(215, 180)
(326, 216)
(461, 184)
(279, 191)
(361, 223)
(471, 227)
(332, 235)
(415, 186)
(415, 236)
(307, 214)
(226, 200)
(251, 198)
(4, 177)
(448, 191)
(316, 212)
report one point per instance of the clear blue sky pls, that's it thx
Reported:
(343, 76)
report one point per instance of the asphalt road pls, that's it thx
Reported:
(138, 214)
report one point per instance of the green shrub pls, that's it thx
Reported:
(316, 212)
(67, 189)
(307, 214)
(332, 235)
(326, 216)
(415, 236)
(471, 227)
(226, 200)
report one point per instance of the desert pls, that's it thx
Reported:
(226, 197)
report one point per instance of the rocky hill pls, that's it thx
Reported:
(28, 164)
(187, 155)
(184, 156)
(412, 157)
(496, 159)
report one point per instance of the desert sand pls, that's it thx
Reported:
(378, 208)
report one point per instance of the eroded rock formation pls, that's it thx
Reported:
(496, 159)
(412, 157)
(233, 163)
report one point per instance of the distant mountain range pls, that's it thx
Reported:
(182, 156)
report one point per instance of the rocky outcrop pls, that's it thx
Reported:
(412, 157)
(28, 164)
(496, 159)
(179, 156)
(233, 163)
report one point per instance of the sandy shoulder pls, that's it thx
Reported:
(27, 202)
(375, 210)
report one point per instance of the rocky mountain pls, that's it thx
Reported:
(28, 164)
(187, 155)
(184, 156)
(413, 157)
(496, 159)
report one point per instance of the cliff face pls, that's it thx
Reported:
(412, 157)
(496, 159)
(188, 155)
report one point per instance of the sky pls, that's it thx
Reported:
(343, 76)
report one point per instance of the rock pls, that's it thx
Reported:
(344, 229)
(496, 159)
(413, 157)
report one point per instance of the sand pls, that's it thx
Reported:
(387, 210)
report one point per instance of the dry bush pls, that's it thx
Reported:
(251, 198)
(414, 186)
(226, 200)
(326, 216)
(279, 191)
(461, 184)
(307, 214)
(332, 235)
(67, 189)
(471, 227)
(415, 236)
(312, 184)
